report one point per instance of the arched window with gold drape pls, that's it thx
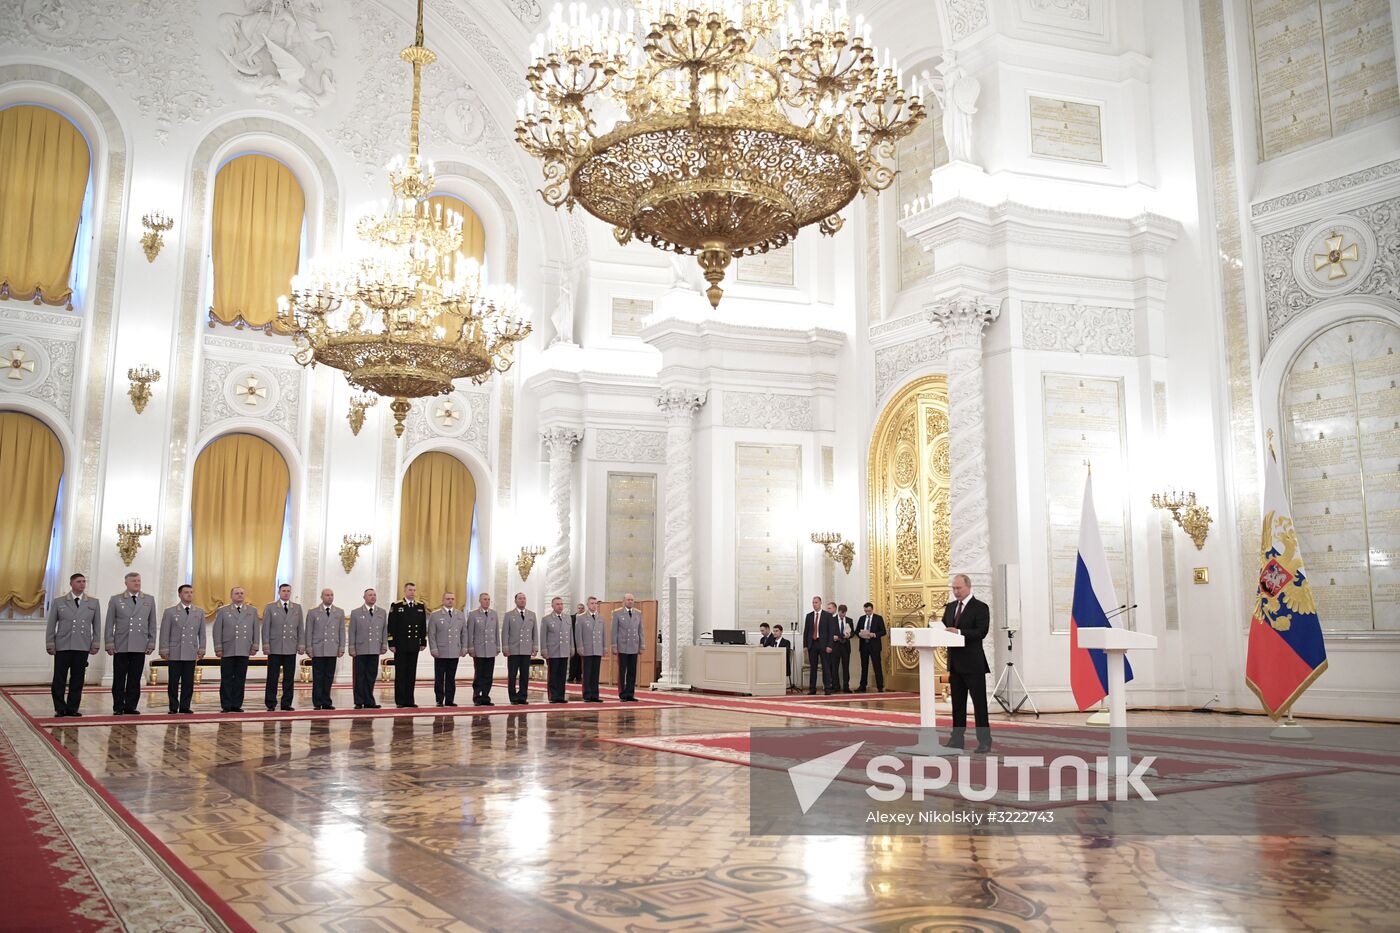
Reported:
(259, 209)
(31, 469)
(44, 169)
(435, 527)
(237, 514)
(473, 233)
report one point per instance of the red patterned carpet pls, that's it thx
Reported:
(75, 859)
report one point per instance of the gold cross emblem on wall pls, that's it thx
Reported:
(250, 390)
(447, 414)
(1336, 257)
(19, 364)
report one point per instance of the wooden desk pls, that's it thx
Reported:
(743, 669)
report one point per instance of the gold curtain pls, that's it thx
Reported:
(258, 210)
(44, 164)
(31, 466)
(473, 233)
(237, 511)
(435, 527)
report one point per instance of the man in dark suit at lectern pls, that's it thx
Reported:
(818, 634)
(967, 666)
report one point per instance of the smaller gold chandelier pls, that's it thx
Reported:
(156, 223)
(408, 315)
(129, 535)
(839, 550)
(350, 550)
(141, 379)
(526, 561)
(360, 403)
(1191, 518)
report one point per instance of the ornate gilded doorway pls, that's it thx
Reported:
(909, 480)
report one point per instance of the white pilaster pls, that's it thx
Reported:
(964, 319)
(679, 407)
(561, 442)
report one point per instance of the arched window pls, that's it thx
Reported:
(436, 526)
(259, 211)
(1341, 402)
(44, 171)
(31, 473)
(473, 233)
(238, 516)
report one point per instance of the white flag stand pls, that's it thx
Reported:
(1290, 731)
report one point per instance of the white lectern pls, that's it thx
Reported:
(1116, 642)
(925, 640)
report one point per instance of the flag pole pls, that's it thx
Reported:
(1290, 730)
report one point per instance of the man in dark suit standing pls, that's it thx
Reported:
(818, 633)
(408, 635)
(870, 630)
(967, 666)
(845, 631)
(765, 637)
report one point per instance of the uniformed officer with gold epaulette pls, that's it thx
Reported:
(132, 630)
(236, 638)
(408, 635)
(72, 633)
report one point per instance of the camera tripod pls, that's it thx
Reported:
(1008, 680)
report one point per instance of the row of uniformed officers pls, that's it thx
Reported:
(285, 631)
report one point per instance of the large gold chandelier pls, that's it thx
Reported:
(719, 128)
(408, 314)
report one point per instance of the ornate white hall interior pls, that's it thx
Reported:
(553, 356)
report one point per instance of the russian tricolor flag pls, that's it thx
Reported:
(1093, 600)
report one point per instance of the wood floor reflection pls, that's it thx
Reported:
(527, 822)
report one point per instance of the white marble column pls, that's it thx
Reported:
(963, 320)
(679, 406)
(558, 561)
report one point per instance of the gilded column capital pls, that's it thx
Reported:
(964, 319)
(680, 405)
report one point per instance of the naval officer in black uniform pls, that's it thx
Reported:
(408, 635)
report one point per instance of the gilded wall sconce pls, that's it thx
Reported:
(526, 561)
(839, 550)
(141, 379)
(156, 223)
(360, 403)
(129, 535)
(350, 550)
(1192, 518)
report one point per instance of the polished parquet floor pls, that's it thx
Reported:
(526, 821)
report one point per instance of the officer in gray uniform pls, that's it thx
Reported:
(557, 646)
(447, 640)
(626, 645)
(72, 633)
(235, 641)
(325, 641)
(181, 645)
(592, 642)
(283, 638)
(483, 644)
(130, 635)
(520, 643)
(369, 638)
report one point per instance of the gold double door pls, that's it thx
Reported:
(909, 481)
